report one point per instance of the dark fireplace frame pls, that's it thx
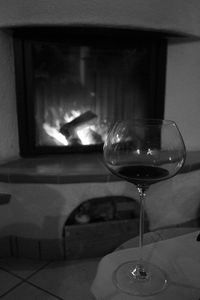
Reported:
(22, 38)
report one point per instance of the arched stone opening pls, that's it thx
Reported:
(99, 225)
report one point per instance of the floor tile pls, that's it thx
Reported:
(68, 280)
(7, 282)
(21, 267)
(28, 292)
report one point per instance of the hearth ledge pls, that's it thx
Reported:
(70, 168)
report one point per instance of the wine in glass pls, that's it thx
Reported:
(143, 152)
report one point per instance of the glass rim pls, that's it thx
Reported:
(147, 121)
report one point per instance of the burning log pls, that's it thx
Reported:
(96, 137)
(69, 129)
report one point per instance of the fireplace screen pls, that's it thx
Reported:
(76, 89)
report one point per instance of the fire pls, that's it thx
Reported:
(73, 114)
(54, 133)
(85, 133)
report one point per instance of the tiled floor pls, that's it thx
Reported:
(40, 280)
(26, 279)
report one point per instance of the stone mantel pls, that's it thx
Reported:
(175, 16)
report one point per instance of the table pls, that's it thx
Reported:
(174, 249)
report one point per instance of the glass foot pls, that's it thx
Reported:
(140, 278)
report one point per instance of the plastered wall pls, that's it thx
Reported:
(182, 102)
(9, 147)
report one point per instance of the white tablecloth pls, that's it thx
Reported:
(179, 257)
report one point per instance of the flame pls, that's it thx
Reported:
(53, 132)
(84, 132)
(84, 135)
(72, 115)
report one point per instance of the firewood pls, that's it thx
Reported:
(96, 137)
(68, 129)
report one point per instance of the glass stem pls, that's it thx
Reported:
(139, 271)
(142, 194)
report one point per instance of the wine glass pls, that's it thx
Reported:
(143, 152)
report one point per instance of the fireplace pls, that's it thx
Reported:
(73, 82)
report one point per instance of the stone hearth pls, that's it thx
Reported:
(44, 191)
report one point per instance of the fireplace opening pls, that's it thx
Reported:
(72, 83)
